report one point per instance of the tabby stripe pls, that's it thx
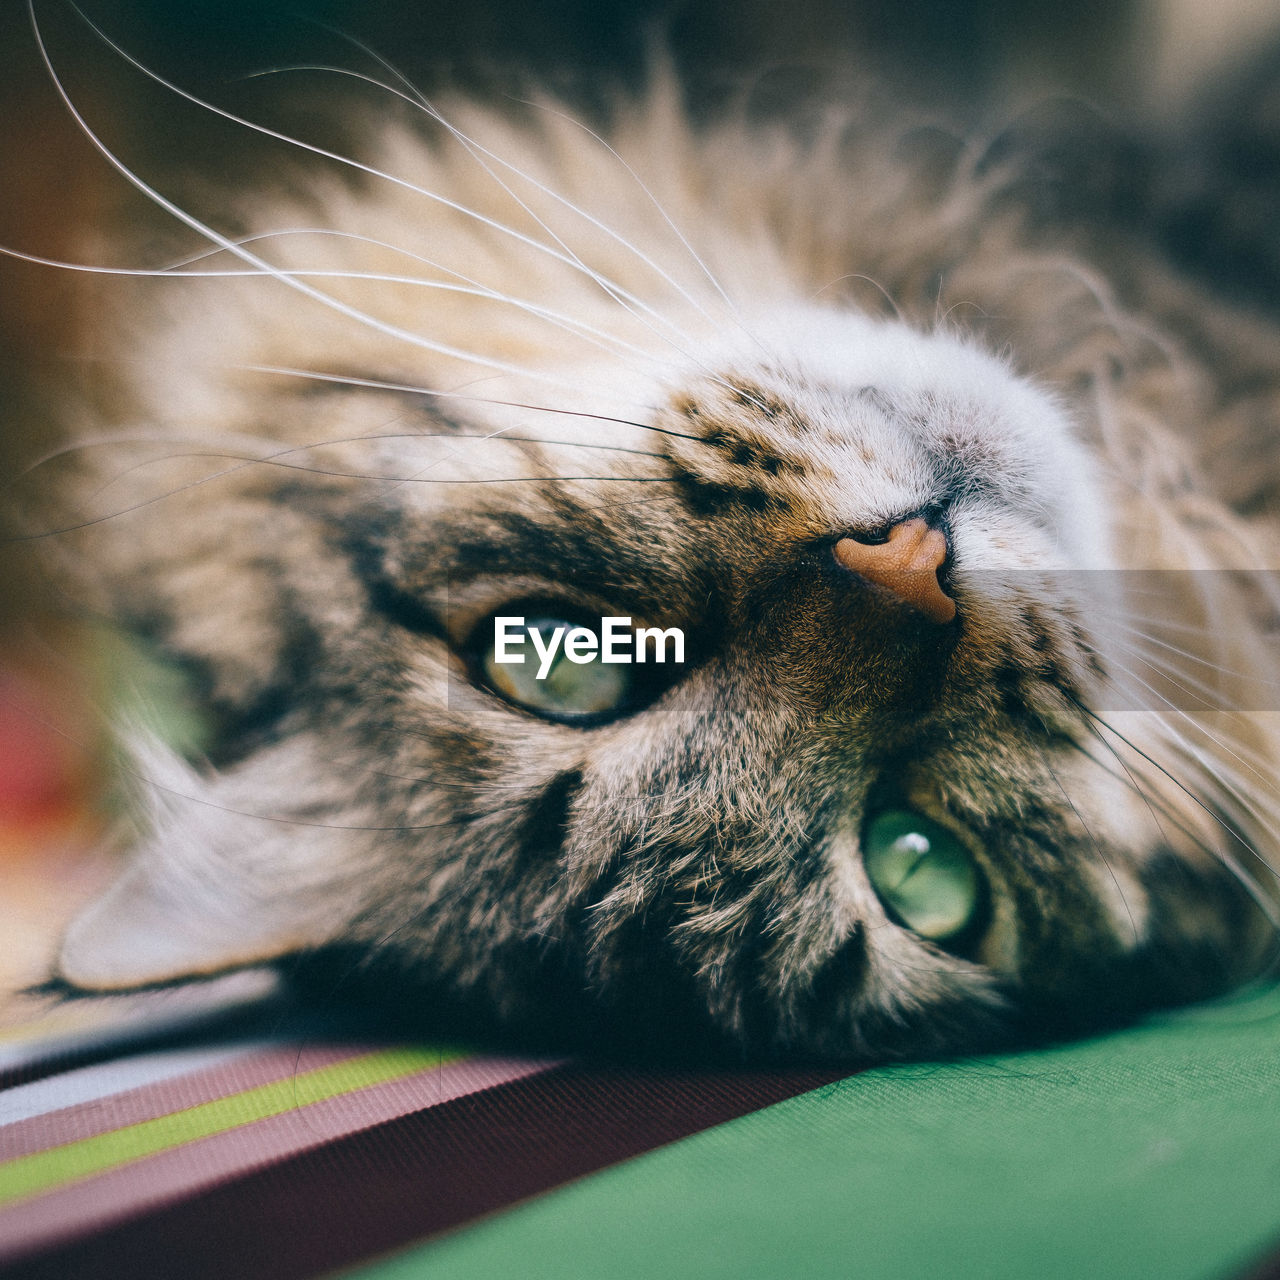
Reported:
(187, 1082)
(397, 1182)
(43, 1170)
(123, 1192)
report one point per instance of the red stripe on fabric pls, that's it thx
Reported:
(163, 1097)
(131, 1189)
(399, 1182)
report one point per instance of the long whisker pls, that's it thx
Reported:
(155, 437)
(311, 148)
(1199, 690)
(623, 298)
(1093, 840)
(1261, 765)
(1191, 795)
(1128, 618)
(216, 237)
(578, 124)
(1200, 728)
(598, 337)
(1248, 882)
(1128, 778)
(662, 213)
(229, 439)
(274, 459)
(476, 150)
(564, 319)
(413, 389)
(1148, 638)
(713, 374)
(419, 102)
(1221, 775)
(80, 525)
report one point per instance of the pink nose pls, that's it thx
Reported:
(906, 563)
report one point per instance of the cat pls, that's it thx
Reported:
(957, 497)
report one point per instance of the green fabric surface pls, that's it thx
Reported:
(1151, 1153)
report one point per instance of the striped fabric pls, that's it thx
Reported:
(93, 1163)
(299, 1156)
(270, 1153)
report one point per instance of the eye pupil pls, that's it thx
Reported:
(922, 872)
(909, 854)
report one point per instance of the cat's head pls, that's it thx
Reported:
(889, 803)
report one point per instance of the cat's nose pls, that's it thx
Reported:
(905, 562)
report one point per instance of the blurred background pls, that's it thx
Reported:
(1189, 94)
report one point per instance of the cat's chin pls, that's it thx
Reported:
(660, 1021)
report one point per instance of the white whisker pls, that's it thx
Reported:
(1093, 840)
(419, 99)
(1198, 689)
(1193, 797)
(662, 212)
(1267, 779)
(597, 337)
(413, 389)
(224, 242)
(477, 149)
(1153, 803)
(311, 148)
(1149, 638)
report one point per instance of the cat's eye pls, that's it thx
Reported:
(923, 873)
(561, 667)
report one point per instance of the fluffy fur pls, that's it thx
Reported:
(660, 373)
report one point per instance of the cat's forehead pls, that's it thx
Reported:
(857, 421)
(851, 374)
(821, 424)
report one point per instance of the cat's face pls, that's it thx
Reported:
(881, 807)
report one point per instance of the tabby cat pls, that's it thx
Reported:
(957, 494)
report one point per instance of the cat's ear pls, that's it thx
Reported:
(219, 883)
(141, 933)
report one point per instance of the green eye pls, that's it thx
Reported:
(563, 681)
(922, 872)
